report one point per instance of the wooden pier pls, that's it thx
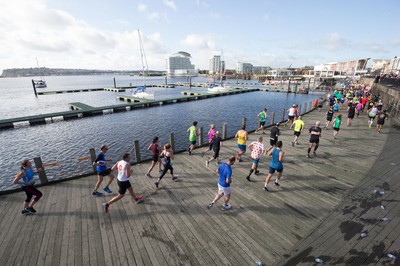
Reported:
(319, 210)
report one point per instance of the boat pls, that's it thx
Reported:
(140, 91)
(220, 87)
(39, 83)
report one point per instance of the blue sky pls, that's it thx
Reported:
(102, 34)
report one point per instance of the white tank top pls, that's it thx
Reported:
(122, 172)
(292, 111)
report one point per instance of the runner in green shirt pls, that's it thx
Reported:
(263, 117)
(192, 137)
(336, 125)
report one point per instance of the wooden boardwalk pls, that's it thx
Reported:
(174, 227)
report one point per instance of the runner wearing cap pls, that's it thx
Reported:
(102, 171)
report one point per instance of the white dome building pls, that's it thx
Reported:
(179, 65)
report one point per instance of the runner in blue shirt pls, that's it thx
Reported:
(102, 171)
(224, 184)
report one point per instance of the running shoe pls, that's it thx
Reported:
(207, 163)
(211, 205)
(202, 154)
(30, 209)
(148, 175)
(226, 207)
(160, 171)
(174, 177)
(292, 143)
(156, 183)
(139, 199)
(314, 154)
(96, 193)
(277, 183)
(248, 178)
(105, 207)
(256, 172)
(265, 188)
(308, 156)
(108, 190)
(25, 211)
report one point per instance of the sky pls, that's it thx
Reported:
(103, 34)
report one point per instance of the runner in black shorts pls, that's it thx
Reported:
(315, 132)
(273, 137)
(329, 116)
(216, 146)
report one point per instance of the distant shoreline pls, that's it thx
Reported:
(43, 71)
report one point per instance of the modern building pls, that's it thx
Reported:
(179, 65)
(347, 68)
(378, 65)
(215, 65)
(393, 67)
(244, 68)
(279, 72)
(260, 69)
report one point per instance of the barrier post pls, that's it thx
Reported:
(272, 118)
(93, 158)
(243, 121)
(299, 110)
(172, 141)
(41, 173)
(224, 131)
(305, 108)
(283, 115)
(201, 136)
(137, 150)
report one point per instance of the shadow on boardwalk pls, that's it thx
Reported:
(312, 208)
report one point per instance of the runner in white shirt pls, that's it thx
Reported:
(124, 172)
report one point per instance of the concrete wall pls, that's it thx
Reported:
(390, 98)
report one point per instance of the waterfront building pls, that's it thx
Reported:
(244, 68)
(260, 69)
(215, 65)
(279, 72)
(179, 65)
(393, 67)
(348, 68)
(378, 65)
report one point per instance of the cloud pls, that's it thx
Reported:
(265, 17)
(334, 41)
(395, 43)
(142, 7)
(171, 4)
(200, 42)
(214, 15)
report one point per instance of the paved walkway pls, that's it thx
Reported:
(174, 227)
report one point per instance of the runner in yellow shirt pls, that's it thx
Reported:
(298, 126)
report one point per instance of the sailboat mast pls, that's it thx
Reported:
(143, 59)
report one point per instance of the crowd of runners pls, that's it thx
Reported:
(353, 100)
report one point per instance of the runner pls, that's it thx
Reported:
(242, 137)
(320, 104)
(211, 134)
(27, 185)
(371, 115)
(351, 109)
(224, 184)
(167, 163)
(359, 108)
(382, 116)
(216, 145)
(124, 173)
(155, 155)
(102, 171)
(273, 137)
(329, 116)
(298, 126)
(291, 115)
(336, 125)
(263, 117)
(315, 132)
(276, 164)
(257, 149)
(192, 137)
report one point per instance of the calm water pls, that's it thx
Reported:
(65, 141)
